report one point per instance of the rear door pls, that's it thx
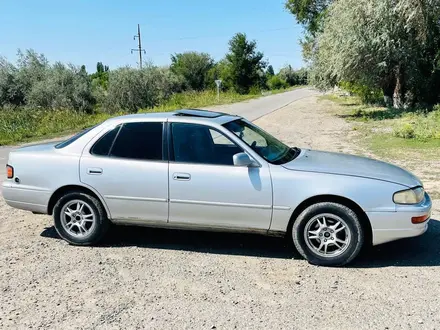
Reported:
(126, 165)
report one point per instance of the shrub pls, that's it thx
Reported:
(419, 125)
(292, 77)
(37, 84)
(365, 93)
(193, 67)
(276, 82)
(406, 131)
(133, 89)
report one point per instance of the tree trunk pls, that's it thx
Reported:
(399, 90)
(388, 87)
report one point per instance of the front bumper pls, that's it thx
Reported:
(391, 226)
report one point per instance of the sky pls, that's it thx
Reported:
(85, 32)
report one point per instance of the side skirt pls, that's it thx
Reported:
(186, 226)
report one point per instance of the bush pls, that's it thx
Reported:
(275, 82)
(292, 77)
(193, 67)
(366, 94)
(421, 125)
(62, 87)
(405, 131)
(36, 84)
(133, 89)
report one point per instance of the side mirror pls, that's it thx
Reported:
(243, 159)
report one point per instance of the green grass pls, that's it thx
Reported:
(22, 125)
(409, 135)
(25, 125)
(409, 124)
(389, 146)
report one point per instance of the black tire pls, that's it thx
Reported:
(101, 223)
(353, 225)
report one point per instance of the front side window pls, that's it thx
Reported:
(141, 141)
(193, 143)
(264, 144)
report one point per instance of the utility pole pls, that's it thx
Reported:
(140, 50)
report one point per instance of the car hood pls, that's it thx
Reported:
(344, 164)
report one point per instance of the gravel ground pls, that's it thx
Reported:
(161, 279)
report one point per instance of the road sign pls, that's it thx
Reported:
(218, 82)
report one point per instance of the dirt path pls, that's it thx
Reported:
(162, 279)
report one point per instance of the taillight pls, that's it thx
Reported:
(9, 171)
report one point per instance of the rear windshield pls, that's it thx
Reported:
(73, 138)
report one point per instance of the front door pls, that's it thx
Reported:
(126, 166)
(207, 190)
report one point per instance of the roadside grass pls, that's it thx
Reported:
(24, 125)
(411, 125)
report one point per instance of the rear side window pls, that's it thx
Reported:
(102, 147)
(73, 138)
(139, 141)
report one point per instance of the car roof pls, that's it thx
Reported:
(179, 115)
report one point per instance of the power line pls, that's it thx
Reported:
(140, 50)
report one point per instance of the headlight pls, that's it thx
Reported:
(410, 196)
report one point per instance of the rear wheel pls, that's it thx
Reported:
(80, 219)
(328, 234)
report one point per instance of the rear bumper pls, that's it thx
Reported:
(391, 226)
(29, 199)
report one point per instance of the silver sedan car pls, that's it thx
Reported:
(195, 169)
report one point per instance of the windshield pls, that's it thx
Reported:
(264, 144)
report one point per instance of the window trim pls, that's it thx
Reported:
(171, 145)
(110, 156)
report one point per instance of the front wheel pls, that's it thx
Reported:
(328, 234)
(80, 219)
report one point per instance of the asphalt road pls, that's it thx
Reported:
(252, 110)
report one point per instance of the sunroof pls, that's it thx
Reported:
(199, 113)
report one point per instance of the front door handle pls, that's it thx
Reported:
(94, 171)
(182, 176)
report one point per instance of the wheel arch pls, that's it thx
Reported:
(363, 218)
(61, 191)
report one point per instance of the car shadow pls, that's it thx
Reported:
(195, 241)
(417, 251)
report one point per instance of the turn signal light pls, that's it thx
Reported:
(9, 171)
(420, 219)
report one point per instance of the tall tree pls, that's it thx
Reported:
(245, 63)
(381, 43)
(193, 67)
(309, 13)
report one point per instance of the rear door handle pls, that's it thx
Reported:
(182, 176)
(94, 171)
